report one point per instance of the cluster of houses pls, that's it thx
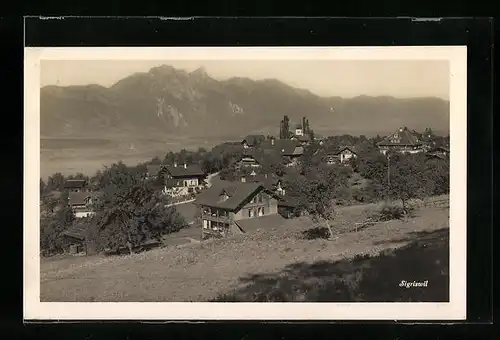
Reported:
(254, 199)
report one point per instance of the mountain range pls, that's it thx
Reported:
(169, 101)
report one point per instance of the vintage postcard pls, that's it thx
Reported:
(287, 183)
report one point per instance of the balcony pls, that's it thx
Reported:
(215, 218)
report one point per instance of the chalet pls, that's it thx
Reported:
(153, 170)
(331, 158)
(401, 141)
(82, 203)
(289, 207)
(289, 150)
(251, 141)
(249, 160)
(438, 154)
(77, 240)
(183, 180)
(227, 205)
(345, 154)
(75, 185)
(441, 151)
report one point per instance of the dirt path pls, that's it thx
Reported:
(197, 272)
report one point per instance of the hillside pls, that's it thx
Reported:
(275, 263)
(166, 100)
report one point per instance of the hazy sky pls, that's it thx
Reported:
(323, 77)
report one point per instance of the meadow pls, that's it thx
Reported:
(288, 262)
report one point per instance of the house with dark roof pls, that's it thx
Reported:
(82, 203)
(183, 180)
(251, 141)
(401, 141)
(439, 154)
(443, 151)
(289, 207)
(75, 185)
(303, 139)
(270, 181)
(250, 160)
(289, 150)
(77, 240)
(342, 156)
(227, 205)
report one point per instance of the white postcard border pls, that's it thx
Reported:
(454, 310)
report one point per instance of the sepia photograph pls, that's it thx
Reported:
(192, 180)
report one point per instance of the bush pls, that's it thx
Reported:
(392, 212)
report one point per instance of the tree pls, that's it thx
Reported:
(48, 205)
(79, 175)
(319, 204)
(133, 215)
(43, 187)
(278, 169)
(117, 176)
(437, 177)
(406, 180)
(285, 128)
(155, 160)
(55, 182)
(51, 229)
(373, 167)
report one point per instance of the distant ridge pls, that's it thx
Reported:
(167, 100)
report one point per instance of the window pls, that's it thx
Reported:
(260, 198)
(263, 212)
(249, 212)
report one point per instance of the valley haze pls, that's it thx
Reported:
(84, 127)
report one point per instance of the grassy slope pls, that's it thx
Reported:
(248, 267)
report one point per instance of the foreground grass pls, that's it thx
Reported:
(361, 279)
(271, 265)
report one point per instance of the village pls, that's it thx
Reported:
(250, 189)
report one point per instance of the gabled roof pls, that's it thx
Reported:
(269, 181)
(192, 170)
(78, 231)
(153, 169)
(79, 198)
(54, 194)
(252, 140)
(402, 137)
(440, 149)
(288, 147)
(436, 156)
(238, 193)
(75, 183)
(344, 148)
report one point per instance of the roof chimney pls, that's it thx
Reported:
(243, 179)
(265, 175)
(175, 164)
(400, 129)
(272, 141)
(185, 166)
